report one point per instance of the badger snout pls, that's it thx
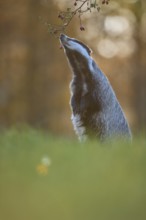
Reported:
(63, 38)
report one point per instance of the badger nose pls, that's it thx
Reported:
(63, 37)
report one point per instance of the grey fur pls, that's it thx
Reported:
(96, 111)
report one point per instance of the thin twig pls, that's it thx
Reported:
(67, 16)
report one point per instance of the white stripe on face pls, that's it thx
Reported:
(72, 45)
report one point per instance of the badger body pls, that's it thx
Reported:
(96, 111)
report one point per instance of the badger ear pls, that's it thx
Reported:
(87, 48)
(90, 51)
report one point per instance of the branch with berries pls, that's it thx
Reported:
(79, 8)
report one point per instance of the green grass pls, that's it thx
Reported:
(83, 182)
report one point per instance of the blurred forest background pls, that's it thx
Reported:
(34, 75)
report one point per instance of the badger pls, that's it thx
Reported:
(96, 111)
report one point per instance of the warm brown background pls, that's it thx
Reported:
(34, 75)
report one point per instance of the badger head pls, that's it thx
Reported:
(73, 45)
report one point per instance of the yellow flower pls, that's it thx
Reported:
(42, 169)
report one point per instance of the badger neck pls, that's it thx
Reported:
(86, 70)
(78, 62)
(84, 67)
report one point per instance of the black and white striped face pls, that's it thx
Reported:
(74, 45)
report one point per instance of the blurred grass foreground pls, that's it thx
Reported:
(45, 177)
